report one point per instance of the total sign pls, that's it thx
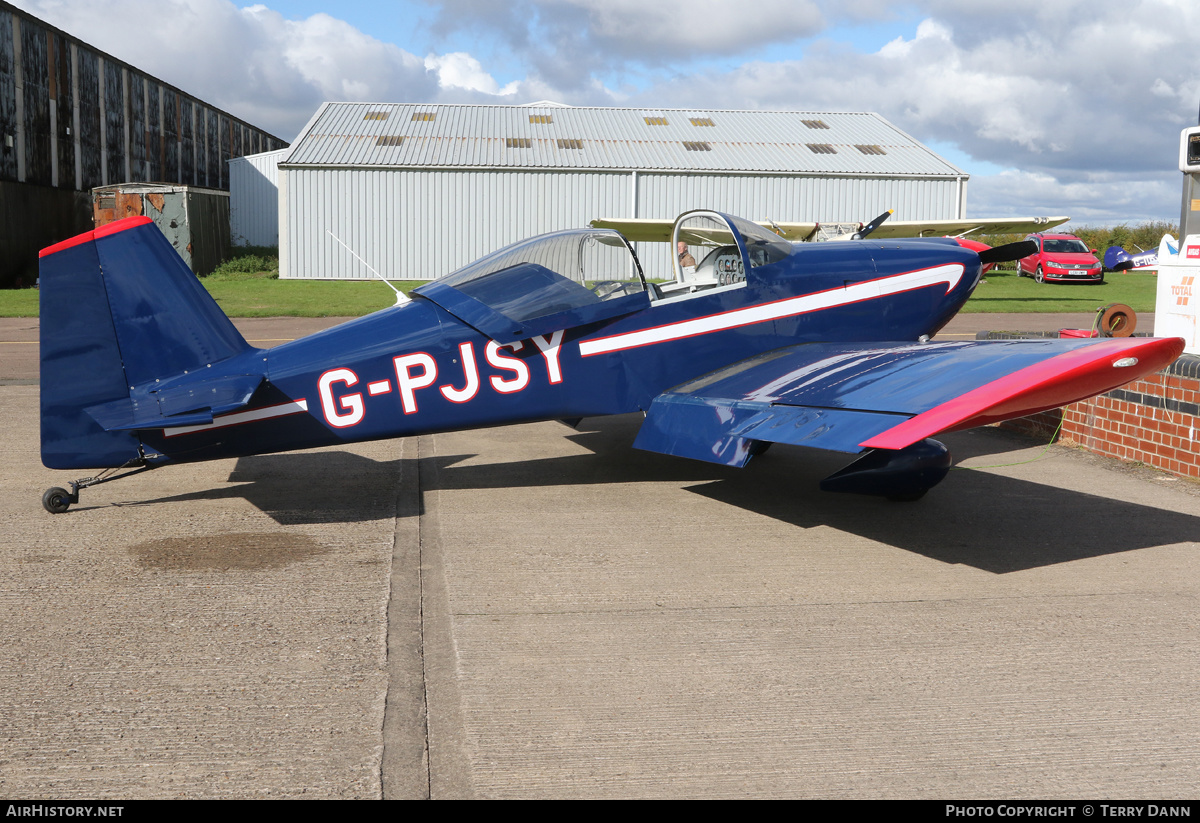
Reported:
(1175, 305)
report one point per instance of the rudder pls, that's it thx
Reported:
(119, 308)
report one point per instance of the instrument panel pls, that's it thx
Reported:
(723, 264)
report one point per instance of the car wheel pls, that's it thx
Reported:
(1038, 276)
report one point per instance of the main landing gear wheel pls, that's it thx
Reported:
(56, 500)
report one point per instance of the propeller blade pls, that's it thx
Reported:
(1009, 251)
(874, 224)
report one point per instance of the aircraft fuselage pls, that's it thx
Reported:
(417, 368)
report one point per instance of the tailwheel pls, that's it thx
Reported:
(57, 500)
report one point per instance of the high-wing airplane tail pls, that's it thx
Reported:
(129, 339)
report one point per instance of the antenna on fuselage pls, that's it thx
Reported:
(401, 297)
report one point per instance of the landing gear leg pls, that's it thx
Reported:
(57, 500)
(903, 475)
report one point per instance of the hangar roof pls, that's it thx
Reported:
(552, 136)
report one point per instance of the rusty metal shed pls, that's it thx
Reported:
(195, 220)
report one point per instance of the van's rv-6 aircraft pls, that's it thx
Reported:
(762, 341)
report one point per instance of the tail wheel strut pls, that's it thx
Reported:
(57, 500)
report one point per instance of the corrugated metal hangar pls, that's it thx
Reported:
(254, 199)
(419, 190)
(73, 118)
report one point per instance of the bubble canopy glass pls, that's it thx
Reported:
(544, 284)
(724, 248)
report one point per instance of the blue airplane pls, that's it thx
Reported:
(755, 340)
(1117, 259)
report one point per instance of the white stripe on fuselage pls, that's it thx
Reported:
(950, 274)
(266, 413)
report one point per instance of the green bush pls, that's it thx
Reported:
(1133, 238)
(249, 263)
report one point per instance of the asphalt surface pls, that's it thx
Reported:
(534, 611)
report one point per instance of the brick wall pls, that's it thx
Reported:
(1155, 420)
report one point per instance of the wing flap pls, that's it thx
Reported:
(850, 397)
(725, 431)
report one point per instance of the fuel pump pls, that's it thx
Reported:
(1175, 304)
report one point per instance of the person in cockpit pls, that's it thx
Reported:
(685, 257)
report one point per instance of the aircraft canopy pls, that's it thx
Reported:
(551, 282)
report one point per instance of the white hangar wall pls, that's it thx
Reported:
(419, 190)
(254, 199)
(423, 224)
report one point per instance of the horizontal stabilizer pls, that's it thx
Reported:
(191, 403)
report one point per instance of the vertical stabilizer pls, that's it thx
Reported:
(119, 308)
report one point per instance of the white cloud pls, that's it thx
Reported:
(568, 43)
(650, 31)
(1102, 198)
(459, 70)
(901, 49)
(252, 62)
(1089, 96)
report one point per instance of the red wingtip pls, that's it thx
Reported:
(1058, 381)
(96, 234)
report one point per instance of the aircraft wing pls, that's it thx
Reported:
(654, 230)
(955, 228)
(853, 396)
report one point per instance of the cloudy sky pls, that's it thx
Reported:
(1052, 106)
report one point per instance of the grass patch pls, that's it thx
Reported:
(262, 294)
(18, 302)
(248, 285)
(1006, 292)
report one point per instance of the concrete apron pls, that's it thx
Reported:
(536, 612)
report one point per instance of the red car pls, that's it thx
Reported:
(1061, 258)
